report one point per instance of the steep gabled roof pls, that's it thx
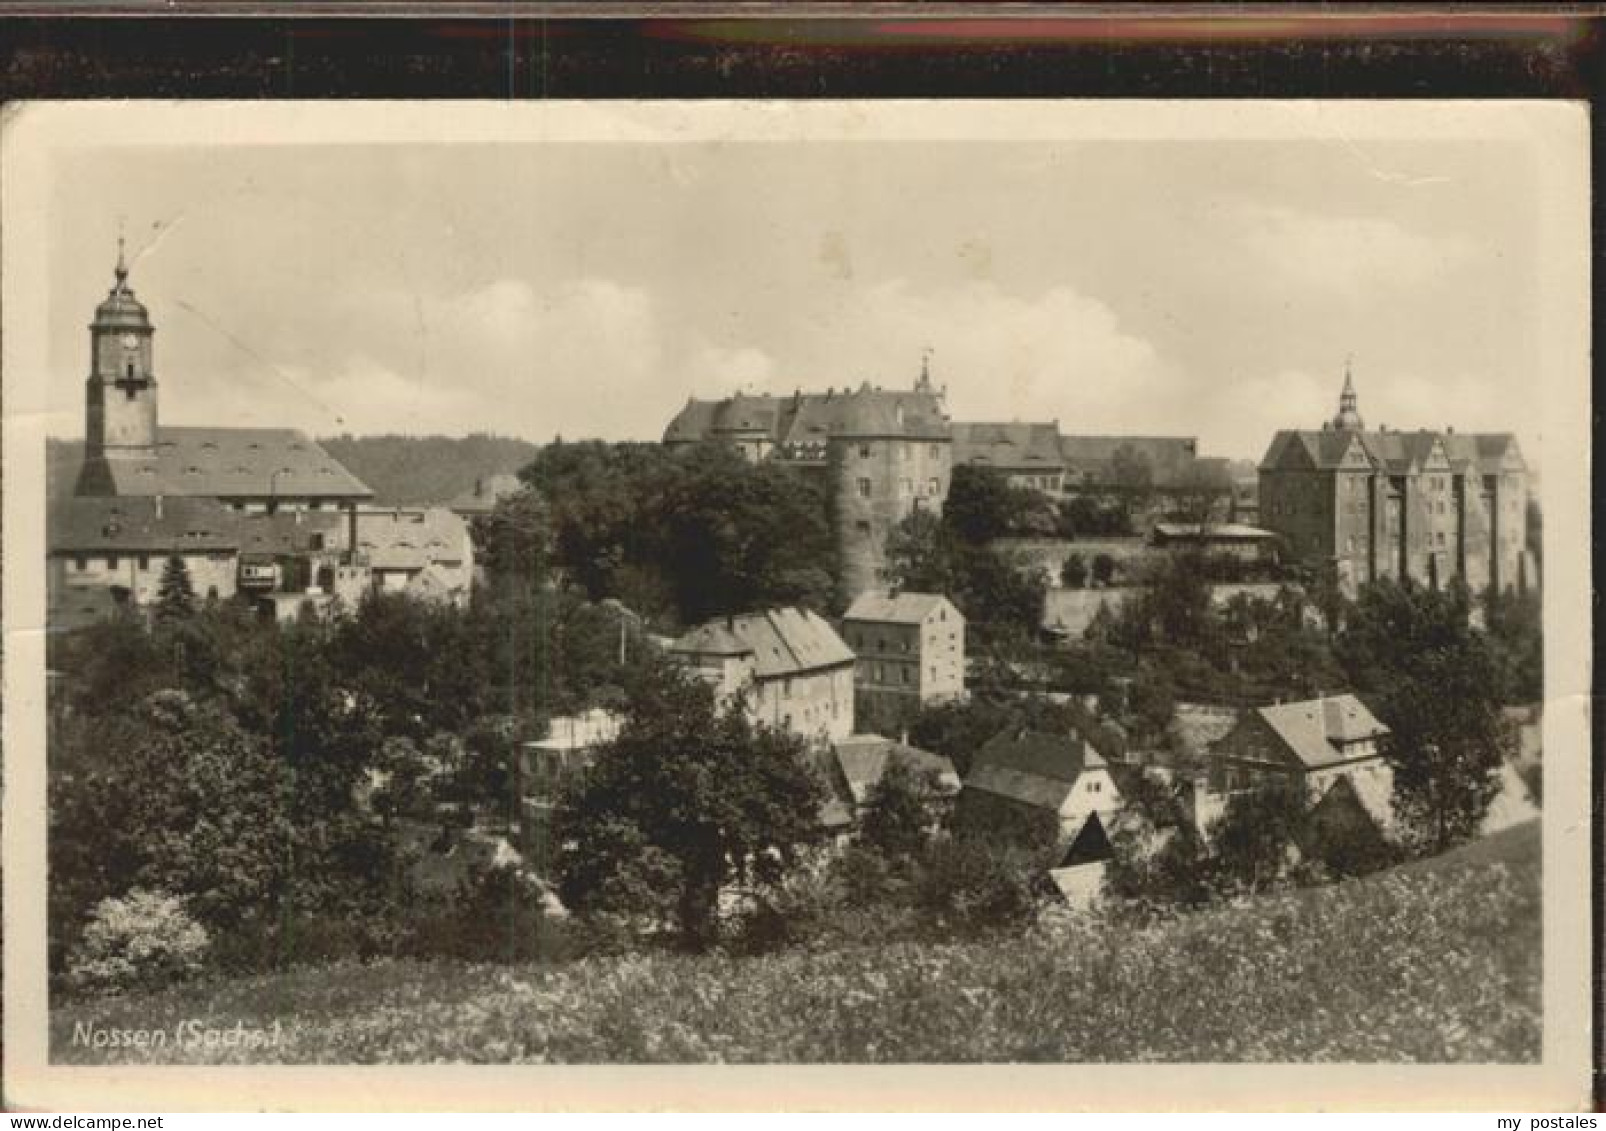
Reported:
(864, 758)
(782, 642)
(1316, 731)
(900, 608)
(1032, 767)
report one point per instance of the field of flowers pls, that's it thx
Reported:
(1436, 962)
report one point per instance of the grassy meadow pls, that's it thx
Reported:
(1436, 962)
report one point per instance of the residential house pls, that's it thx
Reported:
(1040, 776)
(910, 647)
(793, 670)
(1316, 740)
(426, 552)
(570, 746)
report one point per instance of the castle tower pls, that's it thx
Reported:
(1349, 417)
(891, 454)
(120, 416)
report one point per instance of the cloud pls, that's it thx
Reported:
(1347, 254)
(1056, 354)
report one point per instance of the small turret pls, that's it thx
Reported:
(1349, 417)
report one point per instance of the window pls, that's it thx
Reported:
(1092, 787)
(905, 488)
(864, 451)
(864, 488)
(936, 488)
(906, 678)
(111, 561)
(144, 562)
(80, 563)
(936, 451)
(862, 526)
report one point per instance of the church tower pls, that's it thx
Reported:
(1349, 416)
(120, 417)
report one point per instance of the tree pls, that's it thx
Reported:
(901, 810)
(1073, 574)
(1132, 472)
(982, 504)
(1432, 678)
(1103, 570)
(726, 800)
(1515, 624)
(190, 805)
(1157, 857)
(175, 596)
(1256, 839)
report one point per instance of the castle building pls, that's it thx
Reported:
(886, 454)
(1424, 506)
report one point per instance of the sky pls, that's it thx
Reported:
(587, 289)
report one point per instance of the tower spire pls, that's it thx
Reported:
(121, 270)
(924, 384)
(1349, 416)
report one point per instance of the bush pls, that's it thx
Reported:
(141, 941)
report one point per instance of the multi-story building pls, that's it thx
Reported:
(887, 453)
(910, 647)
(1425, 506)
(791, 667)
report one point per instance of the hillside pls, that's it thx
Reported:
(408, 470)
(402, 470)
(1436, 962)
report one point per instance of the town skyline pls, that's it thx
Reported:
(408, 291)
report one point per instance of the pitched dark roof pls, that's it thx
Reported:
(1397, 453)
(1169, 456)
(1033, 767)
(863, 758)
(1021, 447)
(255, 463)
(409, 539)
(781, 641)
(77, 524)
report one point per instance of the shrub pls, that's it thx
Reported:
(141, 941)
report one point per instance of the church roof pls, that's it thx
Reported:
(256, 463)
(781, 641)
(120, 309)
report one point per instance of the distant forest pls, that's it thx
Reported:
(408, 470)
(402, 470)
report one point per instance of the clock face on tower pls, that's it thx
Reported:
(129, 341)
